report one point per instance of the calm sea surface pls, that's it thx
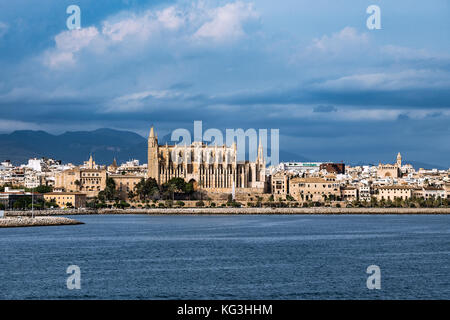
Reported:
(229, 257)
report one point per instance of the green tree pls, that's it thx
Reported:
(258, 201)
(22, 203)
(179, 187)
(146, 189)
(200, 203)
(122, 204)
(180, 203)
(189, 189)
(110, 192)
(51, 203)
(40, 189)
(169, 203)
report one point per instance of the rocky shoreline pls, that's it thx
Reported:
(19, 221)
(232, 211)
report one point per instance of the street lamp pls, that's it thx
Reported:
(32, 202)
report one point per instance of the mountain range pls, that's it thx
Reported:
(76, 146)
(104, 144)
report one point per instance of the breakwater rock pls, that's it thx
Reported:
(10, 222)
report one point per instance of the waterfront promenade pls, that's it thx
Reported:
(235, 211)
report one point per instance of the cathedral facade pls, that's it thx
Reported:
(213, 169)
(390, 170)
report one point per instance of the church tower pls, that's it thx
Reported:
(399, 160)
(261, 162)
(153, 163)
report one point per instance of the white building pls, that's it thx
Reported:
(35, 164)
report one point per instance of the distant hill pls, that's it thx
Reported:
(76, 146)
(417, 165)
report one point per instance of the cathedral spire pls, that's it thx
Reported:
(260, 150)
(152, 133)
(152, 138)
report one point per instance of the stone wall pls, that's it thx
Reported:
(318, 210)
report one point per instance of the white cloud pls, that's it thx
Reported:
(12, 125)
(67, 44)
(143, 27)
(138, 100)
(404, 53)
(345, 45)
(119, 30)
(343, 113)
(368, 114)
(171, 18)
(342, 40)
(348, 113)
(131, 30)
(407, 79)
(387, 114)
(114, 31)
(226, 23)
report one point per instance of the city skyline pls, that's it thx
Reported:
(87, 145)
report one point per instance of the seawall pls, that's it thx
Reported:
(240, 211)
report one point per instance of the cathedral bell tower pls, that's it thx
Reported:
(153, 163)
(399, 160)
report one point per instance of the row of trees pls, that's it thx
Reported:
(145, 190)
(148, 189)
(403, 203)
(413, 202)
(24, 203)
(38, 189)
(175, 188)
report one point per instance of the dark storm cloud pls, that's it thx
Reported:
(405, 98)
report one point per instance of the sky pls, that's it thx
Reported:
(312, 69)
